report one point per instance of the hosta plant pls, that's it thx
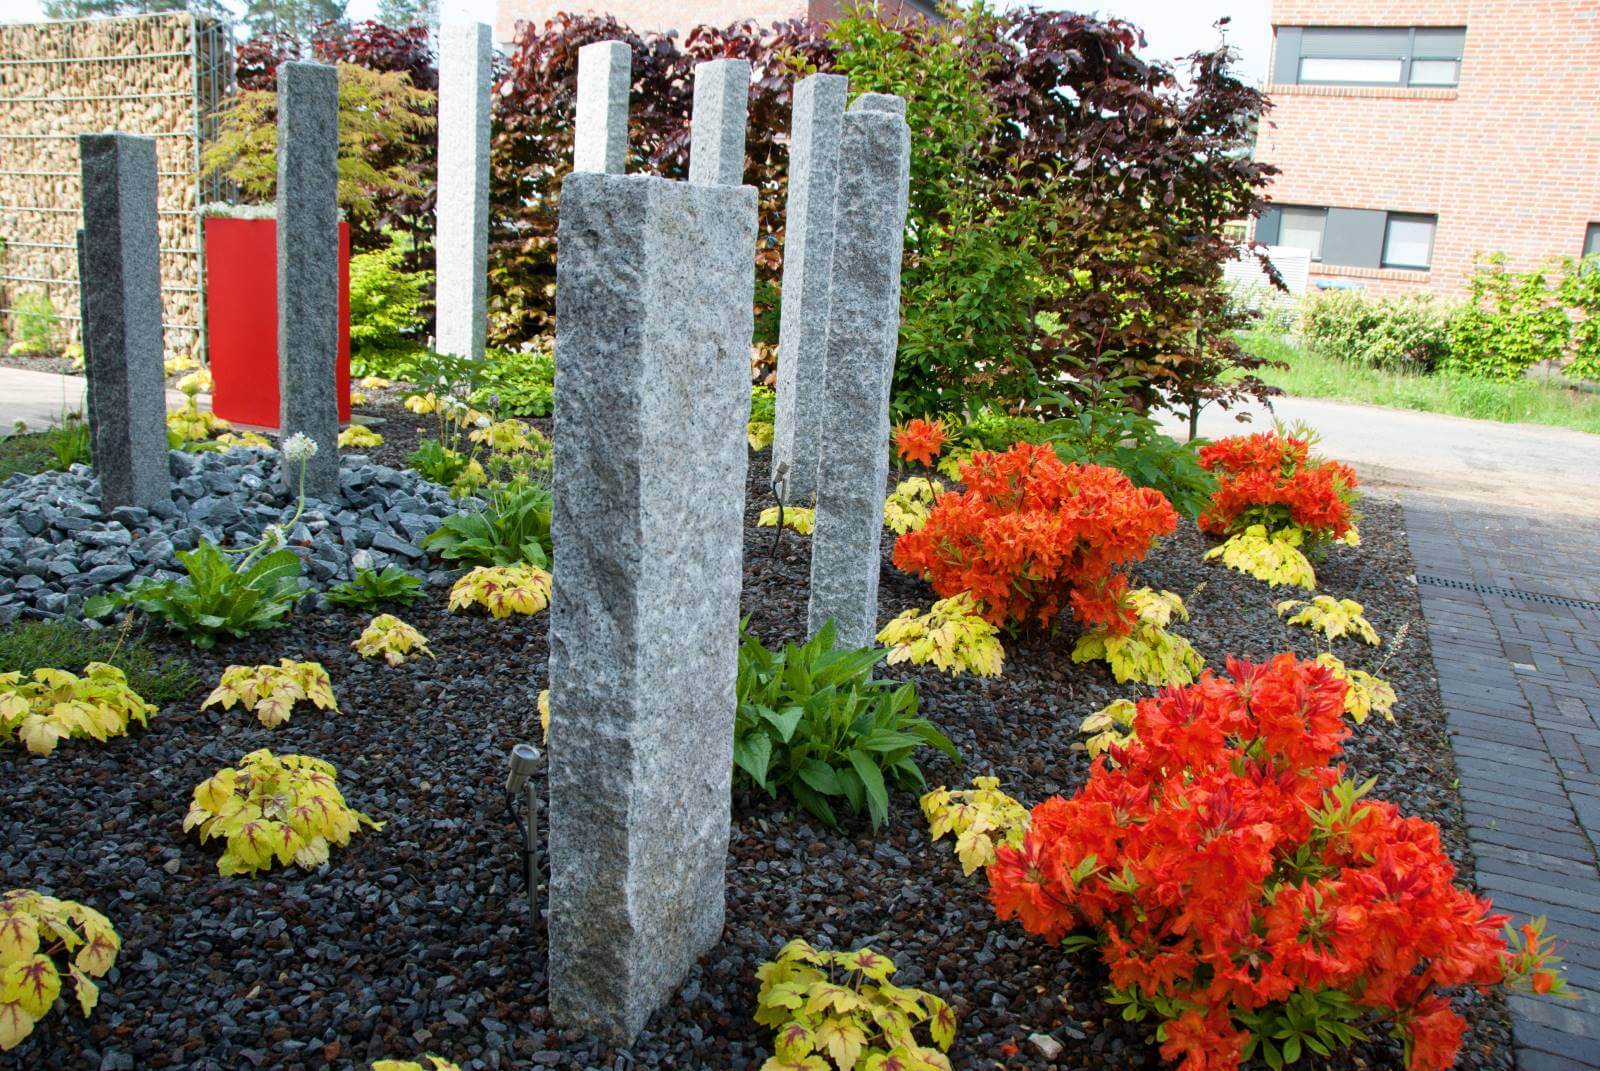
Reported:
(273, 810)
(359, 437)
(1276, 558)
(1273, 480)
(1243, 891)
(1366, 693)
(980, 818)
(42, 939)
(812, 721)
(920, 441)
(908, 505)
(801, 519)
(1031, 534)
(270, 692)
(371, 588)
(503, 590)
(1334, 618)
(435, 1063)
(1109, 727)
(392, 638)
(838, 1011)
(951, 634)
(50, 705)
(1149, 652)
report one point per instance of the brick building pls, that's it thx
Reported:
(1413, 134)
(680, 15)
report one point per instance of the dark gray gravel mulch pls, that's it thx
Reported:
(418, 938)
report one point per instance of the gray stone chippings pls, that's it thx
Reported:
(600, 127)
(308, 266)
(717, 127)
(462, 241)
(652, 393)
(863, 333)
(120, 265)
(815, 131)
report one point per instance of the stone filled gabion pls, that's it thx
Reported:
(57, 547)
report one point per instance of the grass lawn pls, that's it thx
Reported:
(1532, 401)
(25, 453)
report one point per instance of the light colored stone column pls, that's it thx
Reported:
(717, 127)
(461, 243)
(814, 135)
(308, 268)
(654, 320)
(600, 130)
(863, 334)
(119, 274)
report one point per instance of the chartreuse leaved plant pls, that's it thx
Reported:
(42, 939)
(979, 818)
(1334, 618)
(801, 519)
(52, 704)
(908, 505)
(359, 437)
(1149, 653)
(273, 810)
(435, 1063)
(1275, 558)
(503, 590)
(1366, 693)
(952, 634)
(1110, 726)
(838, 1010)
(392, 638)
(270, 692)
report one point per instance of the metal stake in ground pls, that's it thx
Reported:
(462, 237)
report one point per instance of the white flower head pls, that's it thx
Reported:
(299, 448)
(274, 536)
(361, 559)
(482, 422)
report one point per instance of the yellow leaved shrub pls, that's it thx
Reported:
(42, 939)
(270, 692)
(52, 705)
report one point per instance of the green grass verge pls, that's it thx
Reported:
(25, 453)
(1531, 401)
(29, 645)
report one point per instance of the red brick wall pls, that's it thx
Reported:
(1509, 161)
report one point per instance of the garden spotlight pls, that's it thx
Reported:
(519, 775)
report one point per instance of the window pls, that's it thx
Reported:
(1591, 240)
(1369, 55)
(1302, 229)
(1408, 241)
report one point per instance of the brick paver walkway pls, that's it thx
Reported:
(1520, 678)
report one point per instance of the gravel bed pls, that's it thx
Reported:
(418, 938)
(61, 366)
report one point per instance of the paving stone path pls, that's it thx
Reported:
(1512, 601)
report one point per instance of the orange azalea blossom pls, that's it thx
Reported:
(1214, 855)
(919, 440)
(1272, 480)
(1031, 534)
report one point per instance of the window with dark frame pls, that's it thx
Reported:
(1352, 237)
(1425, 56)
(1591, 240)
(1407, 241)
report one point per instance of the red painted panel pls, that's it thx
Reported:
(242, 320)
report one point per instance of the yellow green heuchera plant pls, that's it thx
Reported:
(274, 810)
(503, 590)
(1334, 618)
(435, 1063)
(801, 519)
(270, 692)
(1276, 559)
(908, 505)
(1110, 726)
(1148, 653)
(359, 437)
(980, 818)
(1367, 693)
(392, 638)
(40, 939)
(952, 634)
(839, 1010)
(54, 705)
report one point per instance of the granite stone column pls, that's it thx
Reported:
(654, 294)
(308, 268)
(119, 273)
(600, 128)
(863, 334)
(461, 242)
(717, 126)
(814, 135)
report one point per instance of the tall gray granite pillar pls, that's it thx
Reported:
(119, 273)
(717, 126)
(308, 267)
(600, 129)
(863, 333)
(462, 238)
(654, 293)
(814, 135)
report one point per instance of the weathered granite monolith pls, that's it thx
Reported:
(461, 242)
(814, 135)
(717, 126)
(600, 128)
(651, 397)
(308, 268)
(120, 278)
(863, 332)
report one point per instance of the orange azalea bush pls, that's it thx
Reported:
(919, 440)
(1244, 891)
(1274, 481)
(1030, 533)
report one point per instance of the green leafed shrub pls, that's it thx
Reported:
(1511, 322)
(1409, 333)
(372, 588)
(813, 722)
(516, 384)
(385, 310)
(513, 528)
(1580, 292)
(34, 320)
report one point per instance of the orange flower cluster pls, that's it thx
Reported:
(1273, 480)
(1029, 532)
(1228, 868)
(919, 440)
